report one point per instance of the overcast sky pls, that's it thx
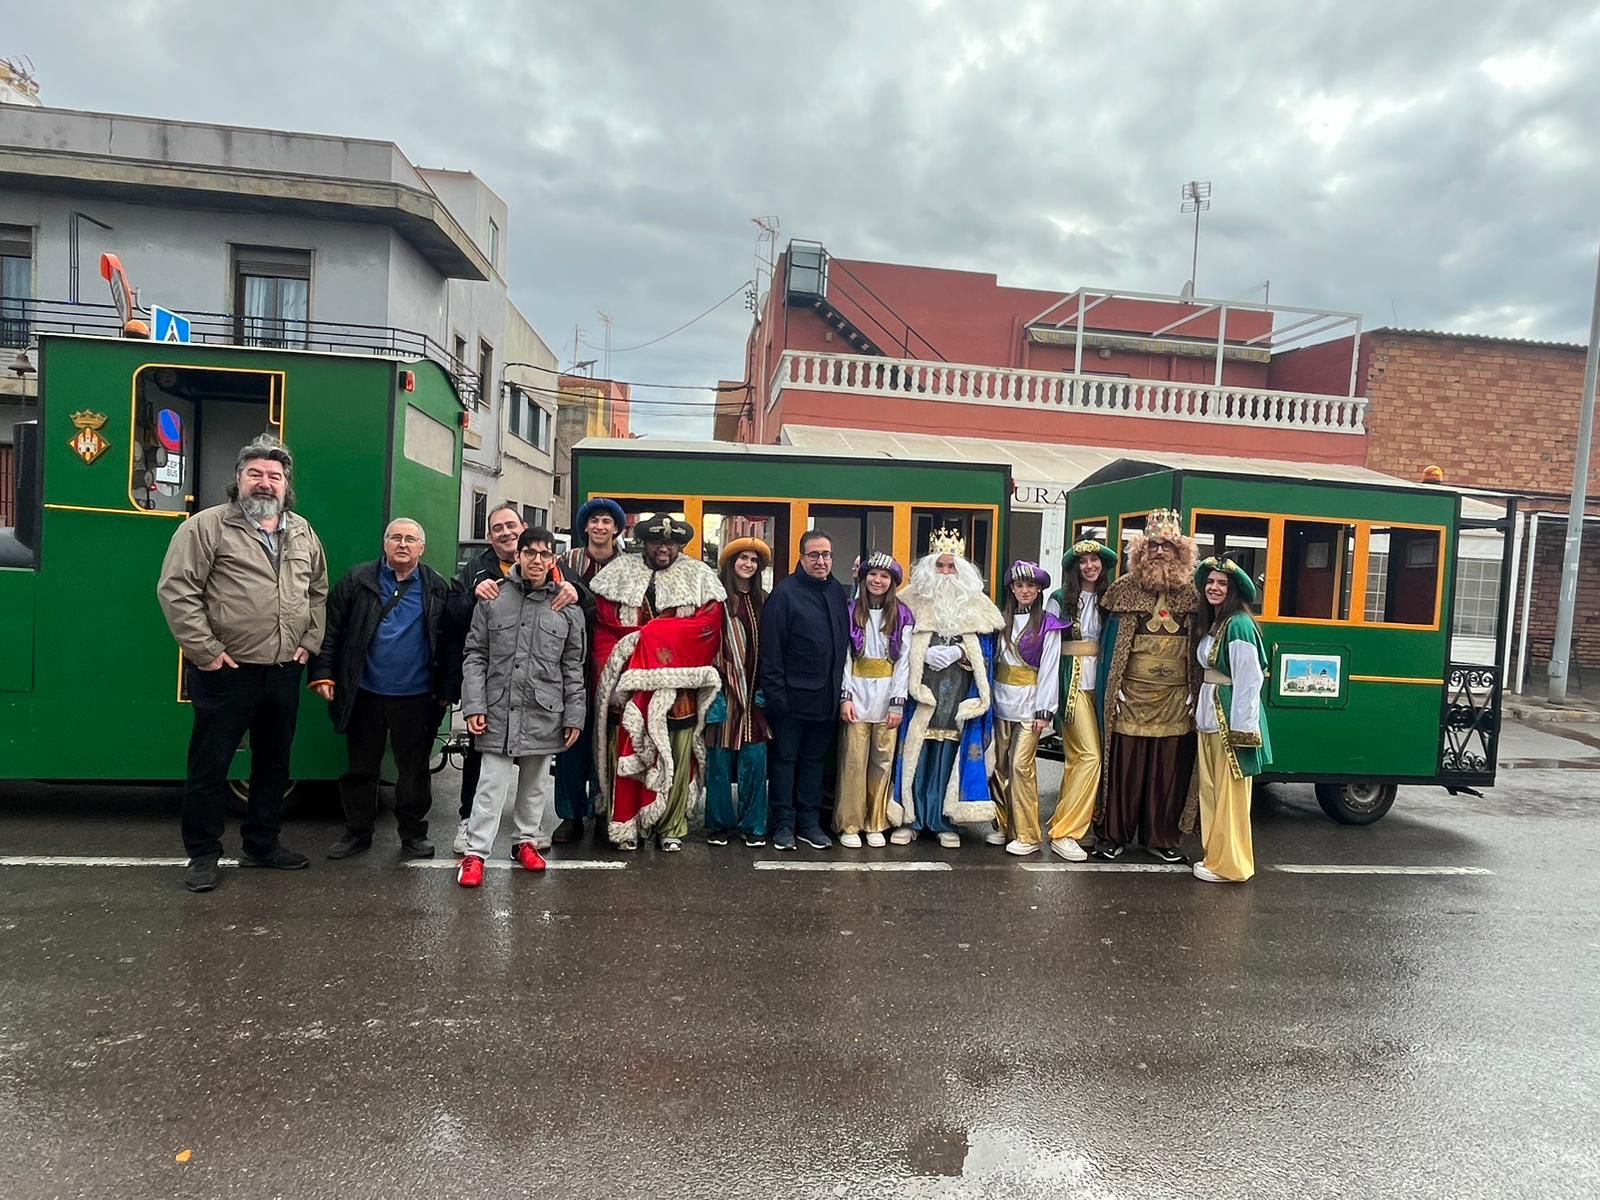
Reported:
(1435, 164)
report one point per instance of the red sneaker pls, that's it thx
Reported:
(528, 855)
(470, 873)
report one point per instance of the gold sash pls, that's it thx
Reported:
(1083, 649)
(871, 668)
(1215, 676)
(1014, 676)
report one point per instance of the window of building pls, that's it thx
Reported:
(1407, 562)
(555, 486)
(544, 424)
(535, 517)
(1243, 539)
(1477, 597)
(271, 296)
(8, 488)
(485, 373)
(1316, 570)
(16, 284)
(480, 515)
(494, 245)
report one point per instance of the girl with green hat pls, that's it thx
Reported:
(1234, 745)
(1085, 575)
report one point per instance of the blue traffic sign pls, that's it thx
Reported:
(169, 326)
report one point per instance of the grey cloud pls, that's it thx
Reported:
(1362, 159)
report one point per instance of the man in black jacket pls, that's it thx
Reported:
(804, 633)
(389, 666)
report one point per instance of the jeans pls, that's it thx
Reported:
(576, 785)
(408, 723)
(749, 763)
(797, 756)
(263, 701)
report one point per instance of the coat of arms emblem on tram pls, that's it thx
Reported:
(87, 443)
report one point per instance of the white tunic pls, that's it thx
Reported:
(1014, 702)
(1088, 630)
(872, 697)
(1244, 665)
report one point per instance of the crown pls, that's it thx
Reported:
(1164, 524)
(89, 420)
(947, 541)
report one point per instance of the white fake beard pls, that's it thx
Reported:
(948, 597)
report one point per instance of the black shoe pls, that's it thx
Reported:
(1105, 852)
(783, 840)
(1171, 856)
(279, 858)
(350, 844)
(716, 837)
(202, 874)
(816, 839)
(416, 847)
(754, 840)
(568, 831)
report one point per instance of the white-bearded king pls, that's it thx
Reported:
(658, 627)
(948, 751)
(1148, 687)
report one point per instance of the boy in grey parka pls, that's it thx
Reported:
(523, 695)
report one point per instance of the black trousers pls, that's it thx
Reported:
(471, 765)
(228, 703)
(797, 757)
(576, 785)
(408, 723)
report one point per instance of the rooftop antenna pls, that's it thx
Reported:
(605, 319)
(766, 256)
(1196, 199)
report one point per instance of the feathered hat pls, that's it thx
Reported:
(879, 561)
(1241, 577)
(1028, 572)
(1106, 555)
(664, 527)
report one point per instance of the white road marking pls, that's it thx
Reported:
(771, 865)
(565, 864)
(91, 860)
(1132, 868)
(1371, 869)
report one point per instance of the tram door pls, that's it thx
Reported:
(189, 424)
(856, 532)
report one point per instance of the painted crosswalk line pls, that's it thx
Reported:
(780, 865)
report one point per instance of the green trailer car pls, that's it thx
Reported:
(1367, 687)
(130, 438)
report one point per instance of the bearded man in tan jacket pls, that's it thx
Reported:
(244, 587)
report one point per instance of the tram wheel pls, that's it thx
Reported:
(1356, 803)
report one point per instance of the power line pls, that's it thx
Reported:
(670, 332)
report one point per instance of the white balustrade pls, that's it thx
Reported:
(1058, 391)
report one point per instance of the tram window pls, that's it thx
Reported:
(1027, 535)
(1132, 527)
(1243, 539)
(1405, 565)
(20, 497)
(188, 426)
(976, 527)
(1316, 570)
(854, 531)
(1089, 529)
(721, 524)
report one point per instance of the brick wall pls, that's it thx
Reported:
(1542, 607)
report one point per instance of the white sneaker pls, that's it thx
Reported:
(1015, 847)
(995, 838)
(1069, 849)
(460, 844)
(950, 841)
(876, 841)
(850, 841)
(903, 836)
(1200, 872)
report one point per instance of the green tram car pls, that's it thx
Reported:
(130, 438)
(728, 490)
(1363, 691)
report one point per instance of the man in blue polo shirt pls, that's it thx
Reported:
(390, 665)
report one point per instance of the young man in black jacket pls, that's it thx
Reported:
(804, 634)
(389, 667)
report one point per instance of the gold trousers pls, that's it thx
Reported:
(1016, 780)
(1224, 813)
(1080, 773)
(866, 773)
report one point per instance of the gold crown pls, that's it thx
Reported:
(947, 541)
(1164, 523)
(89, 420)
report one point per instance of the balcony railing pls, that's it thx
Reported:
(1057, 391)
(22, 321)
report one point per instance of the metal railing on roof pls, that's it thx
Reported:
(23, 320)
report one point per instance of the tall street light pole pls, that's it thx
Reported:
(1566, 600)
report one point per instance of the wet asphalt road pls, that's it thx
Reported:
(697, 1027)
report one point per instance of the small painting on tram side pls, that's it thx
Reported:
(1310, 675)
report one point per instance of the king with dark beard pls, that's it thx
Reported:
(1147, 694)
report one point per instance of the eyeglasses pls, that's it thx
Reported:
(403, 539)
(541, 555)
(818, 555)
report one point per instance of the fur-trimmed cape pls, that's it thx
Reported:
(643, 680)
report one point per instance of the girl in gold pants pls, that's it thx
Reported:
(1027, 665)
(1085, 574)
(872, 696)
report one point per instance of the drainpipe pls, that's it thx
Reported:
(1517, 527)
(1527, 599)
